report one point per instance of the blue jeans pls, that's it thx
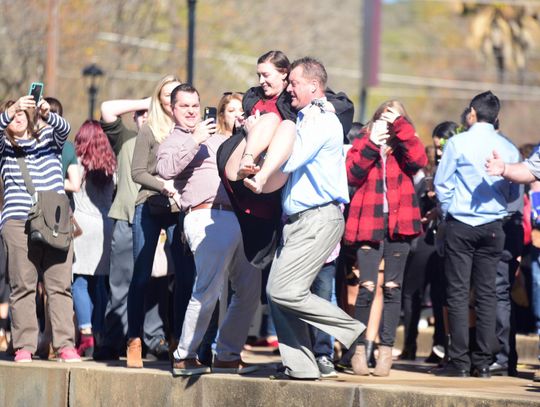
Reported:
(535, 271)
(89, 301)
(267, 324)
(323, 286)
(146, 230)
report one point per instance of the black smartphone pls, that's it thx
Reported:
(36, 90)
(210, 113)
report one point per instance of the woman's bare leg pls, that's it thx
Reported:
(375, 313)
(269, 178)
(258, 140)
(233, 163)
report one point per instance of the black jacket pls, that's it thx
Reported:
(343, 105)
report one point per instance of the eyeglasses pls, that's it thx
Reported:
(233, 93)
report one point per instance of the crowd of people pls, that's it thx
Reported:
(182, 228)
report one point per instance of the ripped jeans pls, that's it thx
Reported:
(369, 257)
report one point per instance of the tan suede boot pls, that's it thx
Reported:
(384, 362)
(134, 353)
(359, 361)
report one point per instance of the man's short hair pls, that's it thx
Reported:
(312, 69)
(184, 87)
(56, 106)
(486, 106)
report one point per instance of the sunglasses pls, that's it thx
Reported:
(233, 93)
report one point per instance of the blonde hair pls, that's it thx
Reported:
(159, 120)
(222, 106)
(395, 104)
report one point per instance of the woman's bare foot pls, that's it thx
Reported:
(255, 184)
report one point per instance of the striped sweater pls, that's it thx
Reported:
(42, 157)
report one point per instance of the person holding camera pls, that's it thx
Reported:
(41, 152)
(188, 157)
(384, 217)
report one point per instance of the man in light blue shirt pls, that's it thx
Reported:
(317, 163)
(473, 204)
(463, 187)
(311, 197)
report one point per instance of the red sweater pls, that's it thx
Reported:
(365, 171)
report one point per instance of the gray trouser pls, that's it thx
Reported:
(115, 331)
(25, 260)
(308, 240)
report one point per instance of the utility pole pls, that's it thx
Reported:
(191, 40)
(371, 42)
(52, 48)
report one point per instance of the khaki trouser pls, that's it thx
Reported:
(308, 239)
(25, 260)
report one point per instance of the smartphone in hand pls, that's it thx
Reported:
(36, 90)
(210, 113)
(380, 127)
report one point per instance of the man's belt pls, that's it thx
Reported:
(219, 207)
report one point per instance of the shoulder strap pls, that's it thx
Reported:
(26, 176)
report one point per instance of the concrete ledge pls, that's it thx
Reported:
(94, 384)
(27, 386)
(392, 397)
(220, 390)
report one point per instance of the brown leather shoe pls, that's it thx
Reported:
(359, 361)
(189, 367)
(134, 353)
(233, 366)
(384, 361)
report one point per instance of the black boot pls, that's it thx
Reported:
(444, 360)
(408, 353)
(370, 357)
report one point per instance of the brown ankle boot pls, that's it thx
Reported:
(359, 361)
(134, 353)
(384, 362)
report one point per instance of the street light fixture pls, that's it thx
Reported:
(92, 75)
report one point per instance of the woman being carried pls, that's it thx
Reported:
(254, 183)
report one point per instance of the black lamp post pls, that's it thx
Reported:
(191, 40)
(92, 73)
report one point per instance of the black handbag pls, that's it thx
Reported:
(160, 204)
(49, 219)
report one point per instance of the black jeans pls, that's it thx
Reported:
(369, 257)
(472, 254)
(506, 269)
(424, 266)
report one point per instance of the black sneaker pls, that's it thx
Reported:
(105, 353)
(326, 367)
(160, 351)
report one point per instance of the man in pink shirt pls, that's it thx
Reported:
(189, 156)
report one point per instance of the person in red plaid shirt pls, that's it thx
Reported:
(383, 218)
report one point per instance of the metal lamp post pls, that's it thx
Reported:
(92, 73)
(191, 39)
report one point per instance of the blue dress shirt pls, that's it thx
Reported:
(317, 163)
(463, 187)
